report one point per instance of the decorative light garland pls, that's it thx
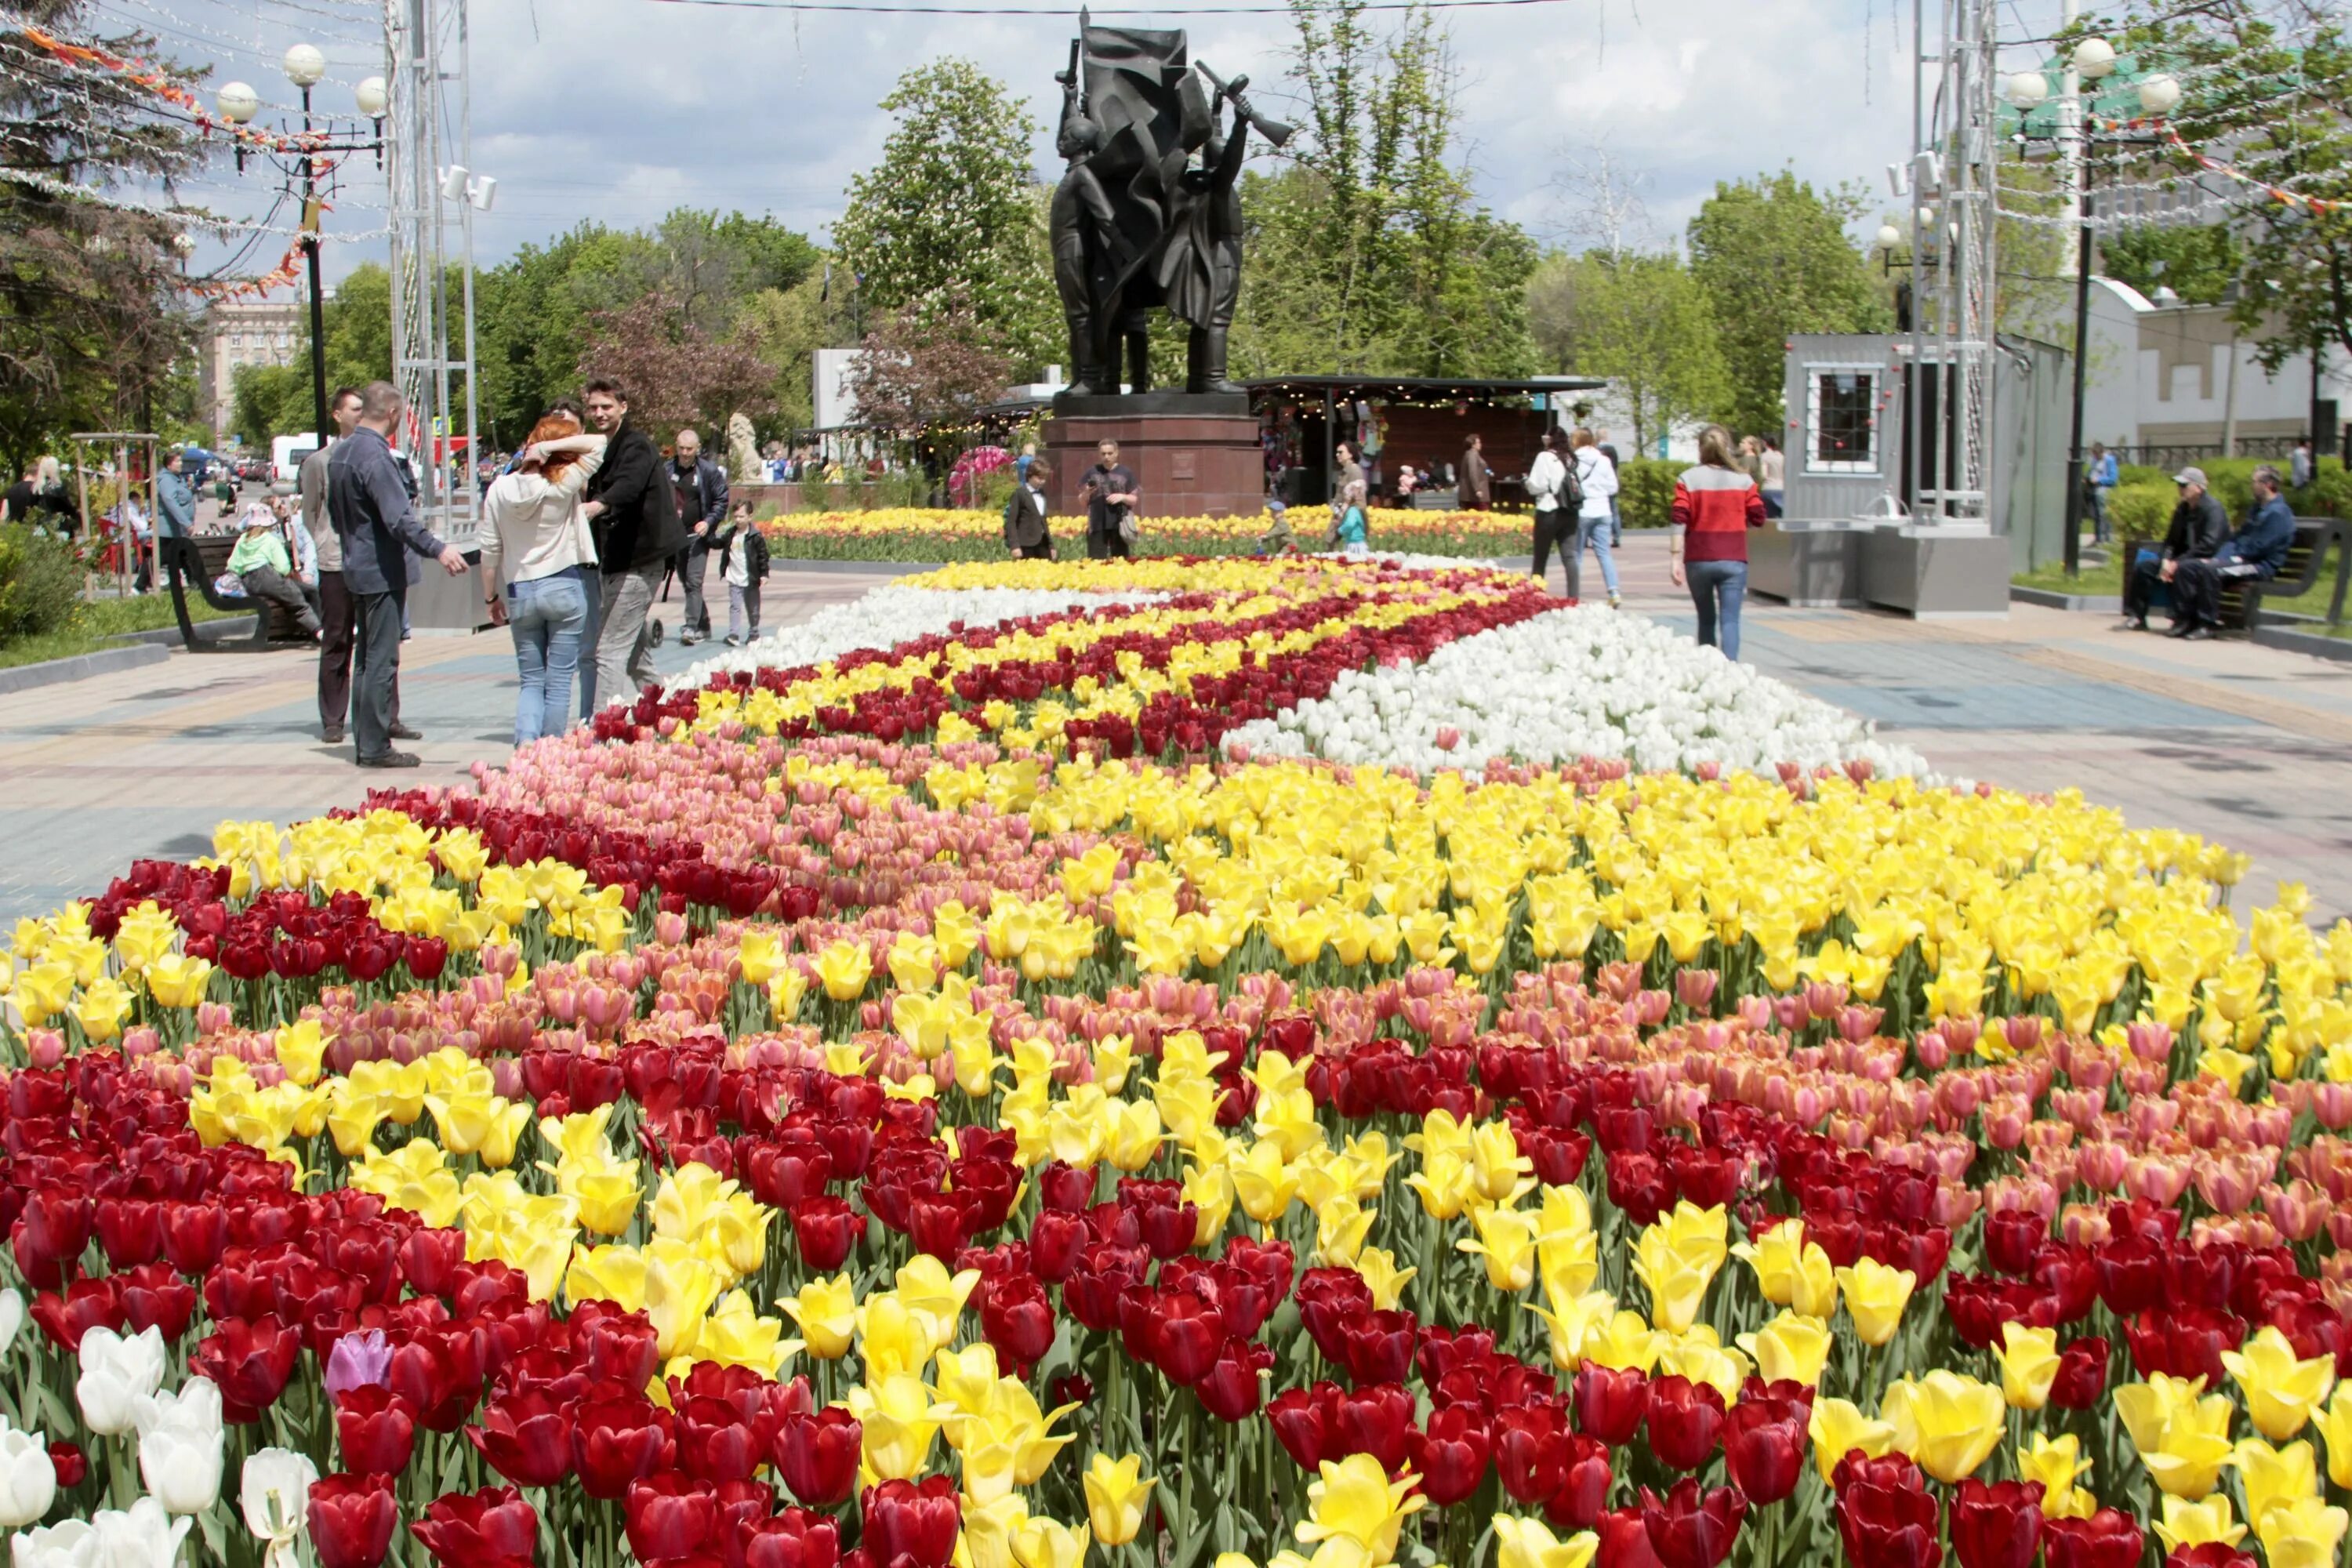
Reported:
(140, 74)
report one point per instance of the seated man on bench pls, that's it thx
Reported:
(261, 563)
(2255, 552)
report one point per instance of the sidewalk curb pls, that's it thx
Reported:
(81, 667)
(168, 636)
(2338, 648)
(2051, 599)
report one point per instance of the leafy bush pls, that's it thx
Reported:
(1645, 491)
(41, 582)
(2141, 510)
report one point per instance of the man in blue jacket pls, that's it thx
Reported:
(377, 526)
(2254, 552)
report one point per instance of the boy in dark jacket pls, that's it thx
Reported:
(743, 562)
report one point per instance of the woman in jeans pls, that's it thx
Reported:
(1598, 478)
(539, 561)
(1716, 504)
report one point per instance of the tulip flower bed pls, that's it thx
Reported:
(934, 1103)
(935, 535)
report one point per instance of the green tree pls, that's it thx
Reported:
(1772, 256)
(1367, 251)
(2269, 92)
(950, 213)
(785, 327)
(1641, 321)
(93, 333)
(269, 401)
(2198, 262)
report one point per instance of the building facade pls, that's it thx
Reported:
(242, 332)
(2169, 383)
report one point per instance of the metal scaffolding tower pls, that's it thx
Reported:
(1953, 186)
(431, 133)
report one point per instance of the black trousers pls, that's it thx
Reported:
(1041, 550)
(2140, 583)
(339, 620)
(375, 671)
(1111, 546)
(1549, 532)
(690, 563)
(2196, 590)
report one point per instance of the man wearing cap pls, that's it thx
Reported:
(2198, 527)
(2255, 552)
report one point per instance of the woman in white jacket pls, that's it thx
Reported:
(1548, 487)
(1598, 477)
(538, 562)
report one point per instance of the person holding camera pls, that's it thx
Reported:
(1113, 500)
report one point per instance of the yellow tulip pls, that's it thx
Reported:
(1793, 1347)
(988, 1529)
(2058, 1464)
(1507, 1242)
(1264, 1182)
(2282, 1391)
(1382, 1275)
(1949, 1423)
(844, 968)
(1355, 1498)
(827, 1312)
(2206, 1522)
(2183, 1438)
(1876, 1296)
(1115, 1495)
(1791, 1270)
(175, 980)
(900, 1422)
(1049, 1543)
(679, 1291)
(1522, 1543)
(1676, 1259)
(2304, 1533)
(2029, 1364)
(2273, 1477)
(735, 1334)
(103, 1004)
(2335, 1430)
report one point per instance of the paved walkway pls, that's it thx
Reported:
(103, 772)
(2245, 744)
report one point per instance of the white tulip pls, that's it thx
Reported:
(70, 1543)
(118, 1373)
(12, 1317)
(29, 1478)
(141, 1536)
(180, 1447)
(276, 1497)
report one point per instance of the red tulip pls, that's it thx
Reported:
(1764, 1443)
(1376, 1421)
(1017, 1319)
(155, 1296)
(2211, 1555)
(825, 1228)
(616, 1441)
(429, 1257)
(1531, 1451)
(493, 1528)
(1625, 1541)
(49, 1234)
(1886, 1518)
(250, 1362)
(1378, 1347)
(196, 1235)
(668, 1515)
(70, 1463)
(2183, 1342)
(526, 1435)
(1686, 1421)
(1451, 1455)
(817, 1454)
(1054, 1238)
(1689, 1529)
(376, 1428)
(1610, 1403)
(1582, 1497)
(1997, 1526)
(1233, 1386)
(85, 1305)
(793, 1539)
(1306, 1422)
(130, 1230)
(714, 1441)
(352, 1519)
(1331, 1301)
(623, 1347)
(918, 1520)
(1186, 1332)
(2082, 1375)
(2108, 1539)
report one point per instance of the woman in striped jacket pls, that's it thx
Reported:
(1715, 506)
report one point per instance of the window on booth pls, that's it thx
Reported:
(1842, 412)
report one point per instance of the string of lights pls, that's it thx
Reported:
(187, 217)
(857, 8)
(140, 74)
(197, 32)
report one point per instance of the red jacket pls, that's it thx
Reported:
(1715, 508)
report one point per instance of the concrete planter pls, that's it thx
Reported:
(81, 667)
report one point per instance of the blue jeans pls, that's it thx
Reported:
(1717, 587)
(1592, 531)
(548, 618)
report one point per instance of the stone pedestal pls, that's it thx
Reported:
(1193, 456)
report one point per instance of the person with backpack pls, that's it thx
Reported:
(743, 562)
(1596, 484)
(1353, 534)
(1551, 484)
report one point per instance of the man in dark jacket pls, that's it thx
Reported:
(377, 528)
(2199, 526)
(634, 516)
(2255, 553)
(700, 485)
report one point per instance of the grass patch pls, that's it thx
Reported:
(96, 622)
(2108, 580)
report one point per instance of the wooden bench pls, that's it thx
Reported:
(2242, 601)
(197, 561)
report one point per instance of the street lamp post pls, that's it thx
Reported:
(305, 67)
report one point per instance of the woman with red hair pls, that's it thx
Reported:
(538, 558)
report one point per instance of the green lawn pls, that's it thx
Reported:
(95, 623)
(2107, 579)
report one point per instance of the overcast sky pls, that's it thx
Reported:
(620, 110)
